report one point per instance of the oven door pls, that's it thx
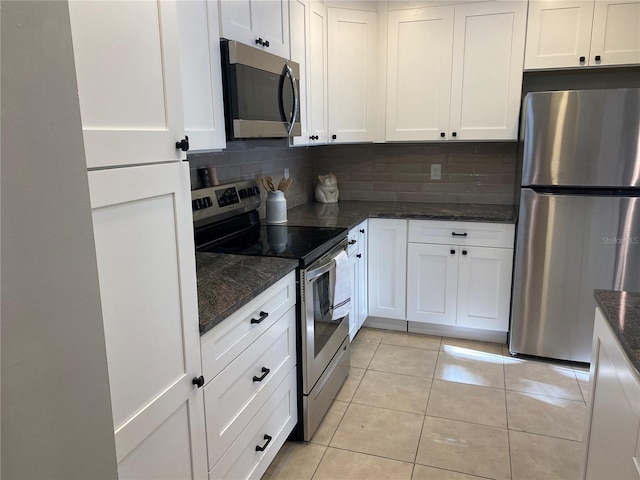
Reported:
(322, 335)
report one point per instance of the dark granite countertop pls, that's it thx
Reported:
(228, 282)
(622, 312)
(349, 213)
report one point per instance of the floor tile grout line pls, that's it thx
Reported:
(543, 435)
(326, 448)
(472, 475)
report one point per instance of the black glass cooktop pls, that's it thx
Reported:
(297, 242)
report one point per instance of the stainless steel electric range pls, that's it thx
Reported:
(226, 221)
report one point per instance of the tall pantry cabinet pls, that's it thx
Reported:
(128, 73)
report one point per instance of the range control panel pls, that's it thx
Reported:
(223, 201)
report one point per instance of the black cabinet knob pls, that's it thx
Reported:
(183, 144)
(266, 43)
(582, 59)
(333, 137)
(362, 230)
(597, 58)
(352, 242)
(359, 255)
(454, 134)
(453, 252)
(442, 134)
(464, 252)
(198, 381)
(259, 41)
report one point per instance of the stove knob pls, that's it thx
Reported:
(197, 204)
(242, 193)
(207, 202)
(256, 190)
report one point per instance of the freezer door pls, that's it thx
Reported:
(567, 246)
(582, 138)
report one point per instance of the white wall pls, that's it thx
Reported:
(56, 408)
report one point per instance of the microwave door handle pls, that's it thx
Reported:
(289, 73)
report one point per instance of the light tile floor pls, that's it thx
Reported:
(421, 407)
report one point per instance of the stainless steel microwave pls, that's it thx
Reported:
(260, 93)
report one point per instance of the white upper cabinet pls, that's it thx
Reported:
(201, 75)
(563, 34)
(455, 72)
(486, 86)
(128, 73)
(308, 31)
(352, 69)
(261, 23)
(615, 36)
(419, 58)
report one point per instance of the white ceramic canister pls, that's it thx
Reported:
(276, 207)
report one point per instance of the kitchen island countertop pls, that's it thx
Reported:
(621, 310)
(227, 282)
(350, 213)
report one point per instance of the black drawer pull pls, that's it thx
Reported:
(262, 448)
(459, 234)
(352, 242)
(265, 372)
(263, 315)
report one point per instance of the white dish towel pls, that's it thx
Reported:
(342, 294)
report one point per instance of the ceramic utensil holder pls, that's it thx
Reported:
(276, 208)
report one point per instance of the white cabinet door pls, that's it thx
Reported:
(432, 280)
(309, 48)
(419, 57)
(249, 20)
(361, 258)
(146, 267)
(353, 279)
(484, 287)
(615, 37)
(201, 76)
(352, 72)
(317, 72)
(387, 263)
(488, 51)
(128, 71)
(299, 39)
(558, 33)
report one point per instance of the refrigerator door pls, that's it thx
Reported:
(582, 138)
(567, 246)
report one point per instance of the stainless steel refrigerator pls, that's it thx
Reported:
(579, 216)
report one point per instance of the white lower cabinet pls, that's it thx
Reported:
(465, 283)
(357, 251)
(462, 286)
(146, 266)
(250, 398)
(387, 264)
(613, 416)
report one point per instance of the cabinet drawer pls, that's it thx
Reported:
(461, 233)
(234, 396)
(227, 340)
(276, 419)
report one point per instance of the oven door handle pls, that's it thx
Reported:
(321, 270)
